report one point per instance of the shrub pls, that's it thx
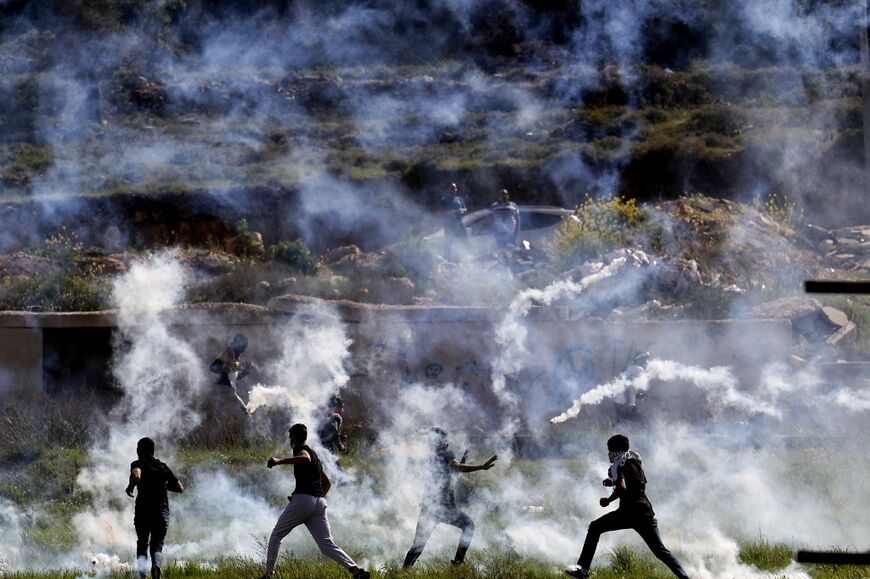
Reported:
(780, 208)
(295, 254)
(247, 243)
(411, 257)
(595, 227)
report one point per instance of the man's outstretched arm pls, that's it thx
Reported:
(300, 458)
(464, 467)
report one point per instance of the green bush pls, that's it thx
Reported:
(295, 254)
(595, 227)
(411, 257)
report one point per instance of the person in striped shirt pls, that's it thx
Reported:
(505, 220)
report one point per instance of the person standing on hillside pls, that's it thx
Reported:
(231, 369)
(627, 411)
(307, 506)
(331, 436)
(452, 208)
(439, 499)
(506, 220)
(628, 481)
(151, 516)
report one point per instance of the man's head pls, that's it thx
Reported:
(438, 437)
(616, 445)
(504, 195)
(336, 403)
(453, 188)
(145, 448)
(298, 434)
(239, 343)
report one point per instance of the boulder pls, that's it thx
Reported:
(339, 253)
(837, 317)
(844, 335)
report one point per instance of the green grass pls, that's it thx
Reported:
(622, 563)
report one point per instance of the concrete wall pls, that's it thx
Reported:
(396, 346)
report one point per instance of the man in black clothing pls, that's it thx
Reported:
(151, 517)
(628, 480)
(307, 506)
(439, 500)
(329, 432)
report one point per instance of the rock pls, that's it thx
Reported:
(844, 335)
(837, 317)
(826, 245)
(210, 262)
(847, 242)
(338, 253)
(791, 308)
(288, 285)
(392, 290)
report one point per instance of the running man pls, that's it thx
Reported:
(307, 506)
(439, 500)
(151, 516)
(628, 480)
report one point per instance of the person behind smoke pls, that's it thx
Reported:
(439, 500)
(505, 220)
(151, 515)
(329, 432)
(230, 368)
(452, 208)
(627, 410)
(628, 480)
(307, 506)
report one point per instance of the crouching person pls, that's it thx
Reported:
(151, 516)
(307, 506)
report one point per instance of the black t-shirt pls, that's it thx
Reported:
(439, 490)
(308, 474)
(156, 478)
(634, 498)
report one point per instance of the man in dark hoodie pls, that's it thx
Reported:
(307, 506)
(151, 517)
(628, 480)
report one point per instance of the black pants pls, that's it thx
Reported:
(645, 525)
(430, 516)
(150, 534)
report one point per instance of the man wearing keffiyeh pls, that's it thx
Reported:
(628, 480)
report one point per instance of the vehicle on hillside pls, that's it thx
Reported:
(538, 225)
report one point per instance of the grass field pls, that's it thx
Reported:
(623, 563)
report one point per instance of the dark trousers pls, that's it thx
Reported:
(430, 516)
(150, 534)
(644, 524)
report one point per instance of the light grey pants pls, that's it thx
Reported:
(312, 512)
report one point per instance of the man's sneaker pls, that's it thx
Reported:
(456, 563)
(577, 572)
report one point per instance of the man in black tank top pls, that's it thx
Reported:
(628, 480)
(306, 505)
(151, 516)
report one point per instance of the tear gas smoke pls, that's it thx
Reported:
(718, 384)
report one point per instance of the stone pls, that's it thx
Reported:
(338, 253)
(844, 335)
(837, 317)
(791, 308)
(826, 245)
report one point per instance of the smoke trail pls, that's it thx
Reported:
(314, 349)
(510, 334)
(720, 386)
